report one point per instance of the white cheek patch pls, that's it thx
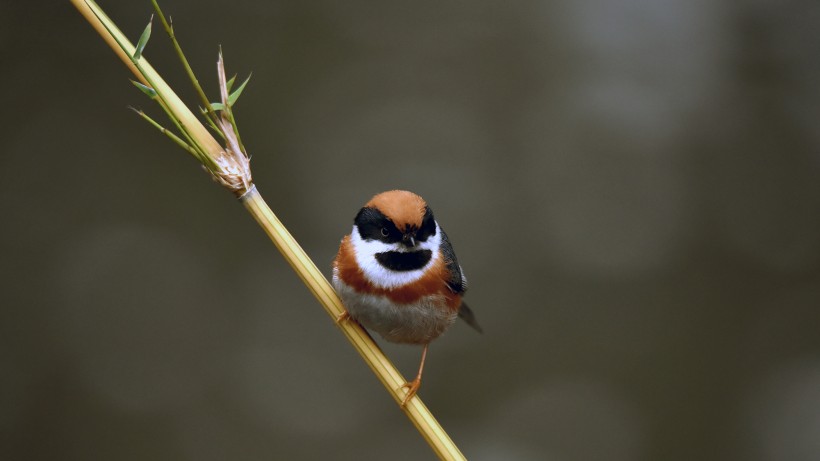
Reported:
(382, 277)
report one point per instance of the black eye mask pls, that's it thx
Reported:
(370, 223)
(373, 224)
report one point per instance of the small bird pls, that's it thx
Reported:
(397, 274)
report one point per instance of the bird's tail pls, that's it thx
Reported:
(467, 315)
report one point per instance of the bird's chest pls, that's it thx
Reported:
(417, 322)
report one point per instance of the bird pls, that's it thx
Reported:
(396, 274)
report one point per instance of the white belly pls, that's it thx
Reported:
(417, 323)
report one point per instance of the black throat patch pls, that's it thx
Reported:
(402, 262)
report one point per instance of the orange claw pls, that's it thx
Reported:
(414, 385)
(345, 315)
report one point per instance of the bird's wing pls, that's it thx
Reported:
(457, 282)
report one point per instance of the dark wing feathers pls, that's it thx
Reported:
(457, 282)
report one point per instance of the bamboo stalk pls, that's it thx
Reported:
(390, 377)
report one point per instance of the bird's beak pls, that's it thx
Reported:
(408, 240)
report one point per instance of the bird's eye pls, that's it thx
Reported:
(385, 232)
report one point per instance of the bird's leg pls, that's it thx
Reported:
(413, 386)
(342, 317)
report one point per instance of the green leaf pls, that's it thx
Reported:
(217, 106)
(150, 92)
(235, 95)
(229, 85)
(176, 139)
(146, 34)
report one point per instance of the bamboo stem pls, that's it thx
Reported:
(390, 377)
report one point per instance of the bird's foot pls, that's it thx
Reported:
(345, 315)
(412, 387)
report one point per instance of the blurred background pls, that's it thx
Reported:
(631, 186)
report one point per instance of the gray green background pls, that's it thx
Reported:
(631, 186)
